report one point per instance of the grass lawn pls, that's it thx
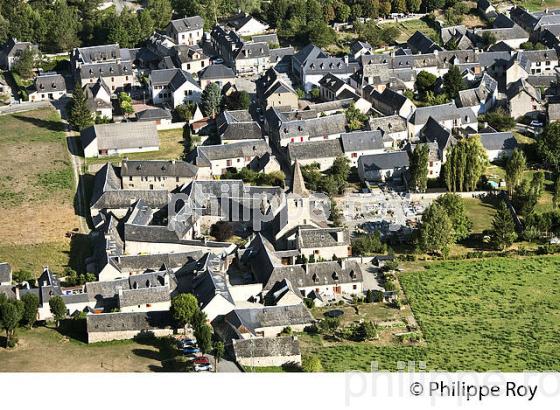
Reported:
(480, 213)
(535, 5)
(498, 314)
(36, 190)
(408, 28)
(45, 350)
(171, 147)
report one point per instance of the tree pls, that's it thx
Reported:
(341, 170)
(219, 351)
(425, 82)
(79, 115)
(57, 308)
(413, 6)
(198, 319)
(10, 316)
(556, 196)
(342, 12)
(203, 335)
(320, 33)
(125, 103)
(499, 119)
(183, 308)
(160, 11)
(311, 364)
(466, 162)
(211, 100)
(184, 111)
(515, 167)
(367, 245)
(527, 194)
(453, 82)
(503, 227)
(187, 138)
(240, 100)
(335, 214)
(436, 231)
(366, 330)
(455, 207)
(355, 118)
(548, 146)
(26, 62)
(30, 309)
(63, 24)
(221, 230)
(488, 39)
(419, 168)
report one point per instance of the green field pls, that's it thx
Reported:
(480, 213)
(498, 314)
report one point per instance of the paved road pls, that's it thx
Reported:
(25, 106)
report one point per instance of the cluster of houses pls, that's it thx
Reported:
(150, 246)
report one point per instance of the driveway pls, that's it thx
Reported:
(224, 366)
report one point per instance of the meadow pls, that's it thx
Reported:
(499, 314)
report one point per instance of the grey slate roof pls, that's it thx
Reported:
(442, 112)
(121, 135)
(50, 83)
(171, 168)
(217, 72)
(269, 316)
(135, 297)
(332, 82)
(266, 347)
(173, 78)
(322, 237)
(5, 272)
(106, 69)
(523, 85)
(153, 114)
(234, 150)
(389, 124)
(386, 160)
(498, 141)
(187, 24)
(315, 149)
(362, 140)
(137, 321)
(421, 43)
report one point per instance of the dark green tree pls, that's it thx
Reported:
(436, 231)
(187, 139)
(499, 119)
(503, 227)
(79, 115)
(203, 335)
(26, 63)
(10, 315)
(30, 309)
(453, 82)
(419, 168)
(58, 309)
(515, 167)
(183, 307)
(425, 82)
(320, 33)
(160, 11)
(548, 145)
(455, 207)
(219, 351)
(211, 100)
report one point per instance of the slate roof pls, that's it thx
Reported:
(498, 141)
(252, 50)
(210, 284)
(106, 69)
(187, 24)
(99, 53)
(216, 72)
(234, 150)
(388, 124)
(479, 95)
(442, 112)
(49, 83)
(522, 85)
(266, 38)
(121, 135)
(239, 20)
(315, 149)
(362, 141)
(389, 98)
(5, 272)
(313, 60)
(173, 78)
(284, 346)
(434, 132)
(252, 319)
(13, 48)
(332, 83)
(158, 168)
(153, 114)
(421, 43)
(386, 160)
(92, 92)
(134, 297)
(500, 34)
(136, 321)
(237, 125)
(322, 237)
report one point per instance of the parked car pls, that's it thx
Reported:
(216, 60)
(191, 350)
(202, 364)
(183, 343)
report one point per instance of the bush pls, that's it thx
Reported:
(367, 245)
(376, 296)
(312, 364)
(309, 303)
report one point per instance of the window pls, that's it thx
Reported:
(354, 155)
(354, 287)
(176, 179)
(130, 178)
(228, 163)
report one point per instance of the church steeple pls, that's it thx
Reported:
(298, 183)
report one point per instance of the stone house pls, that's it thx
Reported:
(120, 138)
(186, 31)
(48, 87)
(158, 174)
(174, 87)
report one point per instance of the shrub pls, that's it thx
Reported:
(221, 230)
(312, 364)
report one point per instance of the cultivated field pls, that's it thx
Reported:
(36, 191)
(492, 314)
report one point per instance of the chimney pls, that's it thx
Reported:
(346, 59)
(342, 263)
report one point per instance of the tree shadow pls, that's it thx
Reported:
(73, 329)
(75, 145)
(85, 185)
(41, 123)
(167, 353)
